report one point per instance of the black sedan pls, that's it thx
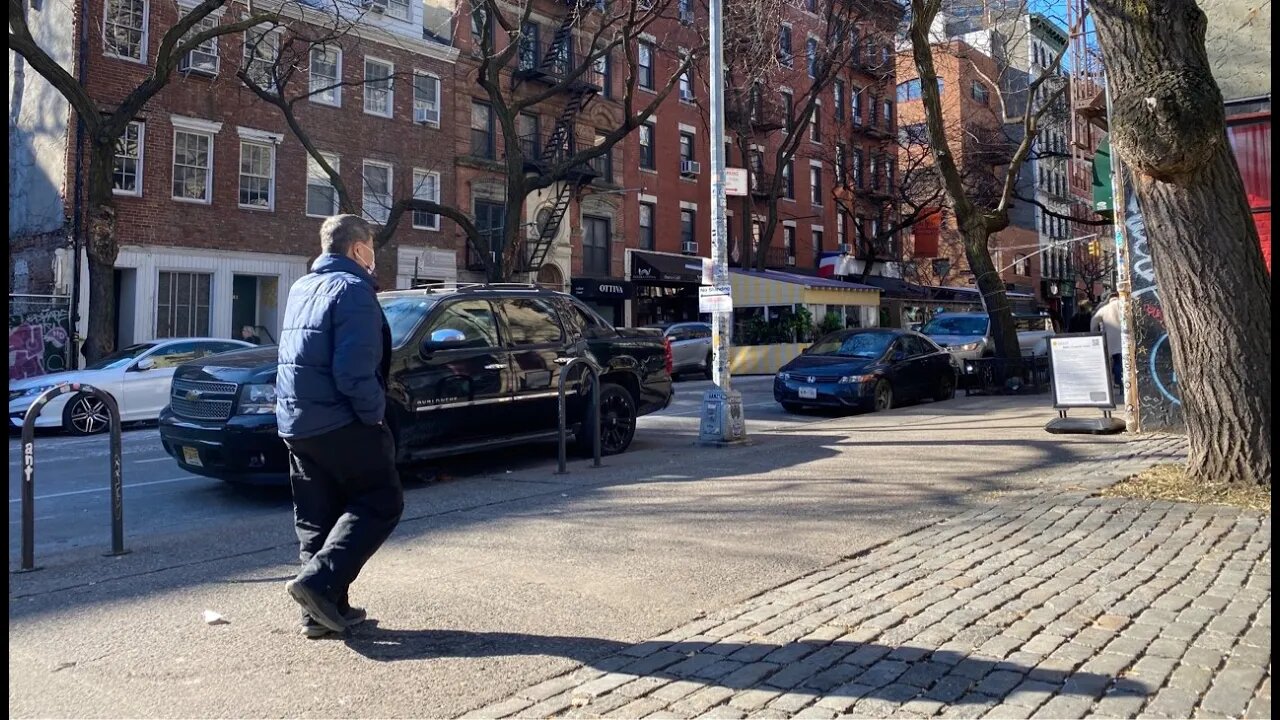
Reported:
(874, 369)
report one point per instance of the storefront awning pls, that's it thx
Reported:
(772, 287)
(660, 267)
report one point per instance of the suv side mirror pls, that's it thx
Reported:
(444, 339)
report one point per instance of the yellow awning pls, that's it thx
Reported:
(771, 287)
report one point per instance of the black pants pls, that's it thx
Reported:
(347, 499)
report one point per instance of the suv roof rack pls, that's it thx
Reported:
(480, 287)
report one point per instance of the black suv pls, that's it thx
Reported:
(472, 368)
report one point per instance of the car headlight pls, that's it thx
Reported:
(967, 347)
(257, 400)
(784, 376)
(29, 392)
(853, 379)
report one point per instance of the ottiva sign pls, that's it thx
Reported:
(609, 289)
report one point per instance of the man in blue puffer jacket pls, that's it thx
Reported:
(330, 408)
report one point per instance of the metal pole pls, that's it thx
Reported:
(722, 420)
(595, 403)
(29, 492)
(117, 481)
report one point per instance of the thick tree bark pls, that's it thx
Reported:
(977, 249)
(1168, 126)
(102, 248)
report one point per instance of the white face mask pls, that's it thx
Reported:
(372, 265)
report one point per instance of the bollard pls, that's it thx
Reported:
(594, 373)
(29, 470)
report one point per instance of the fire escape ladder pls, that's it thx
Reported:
(540, 244)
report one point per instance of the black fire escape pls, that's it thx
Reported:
(552, 65)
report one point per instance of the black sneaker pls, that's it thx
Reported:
(319, 607)
(314, 630)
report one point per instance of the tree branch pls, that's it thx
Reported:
(21, 42)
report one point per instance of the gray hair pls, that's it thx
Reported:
(340, 232)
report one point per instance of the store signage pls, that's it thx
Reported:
(608, 289)
(1081, 372)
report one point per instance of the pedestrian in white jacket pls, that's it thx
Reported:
(1107, 321)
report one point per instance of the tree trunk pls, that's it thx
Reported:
(102, 248)
(977, 250)
(1168, 126)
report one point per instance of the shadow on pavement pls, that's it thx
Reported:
(765, 482)
(832, 669)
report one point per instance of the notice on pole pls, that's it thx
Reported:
(1081, 372)
(714, 300)
(735, 182)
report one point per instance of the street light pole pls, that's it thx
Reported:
(722, 421)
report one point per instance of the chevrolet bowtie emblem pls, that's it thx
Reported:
(194, 395)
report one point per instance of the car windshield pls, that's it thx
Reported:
(120, 358)
(868, 345)
(955, 325)
(404, 313)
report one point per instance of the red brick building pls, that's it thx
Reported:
(219, 206)
(970, 108)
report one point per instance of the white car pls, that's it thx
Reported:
(137, 377)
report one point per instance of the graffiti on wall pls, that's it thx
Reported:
(39, 335)
(1159, 404)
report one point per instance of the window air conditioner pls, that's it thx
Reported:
(690, 167)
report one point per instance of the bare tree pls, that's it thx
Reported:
(519, 72)
(279, 77)
(887, 197)
(982, 205)
(1168, 126)
(760, 57)
(105, 128)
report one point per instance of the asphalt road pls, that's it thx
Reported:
(72, 501)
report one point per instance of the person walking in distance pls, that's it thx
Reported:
(330, 407)
(1107, 321)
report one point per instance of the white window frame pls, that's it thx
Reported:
(246, 61)
(437, 101)
(815, 123)
(420, 173)
(142, 136)
(390, 89)
(318, 94)
(142, 43)
(394, 10)
(261, 138)
(384, 211)
(193, 126)
(208, 22)
(651, 47)
(815, 190)
(314, 172)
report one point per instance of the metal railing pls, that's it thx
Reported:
(29, 470)
(593, 415)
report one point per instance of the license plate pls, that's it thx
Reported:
(191, 456)
(808, 393)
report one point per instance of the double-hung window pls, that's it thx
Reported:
(379, 92)
(426, 186)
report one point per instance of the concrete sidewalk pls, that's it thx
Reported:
(494, 586)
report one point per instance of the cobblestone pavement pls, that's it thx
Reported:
(1063, 605)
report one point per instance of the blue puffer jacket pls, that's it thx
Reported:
(331, 350)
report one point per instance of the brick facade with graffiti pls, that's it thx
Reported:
(39, 335)
(1159, 406)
